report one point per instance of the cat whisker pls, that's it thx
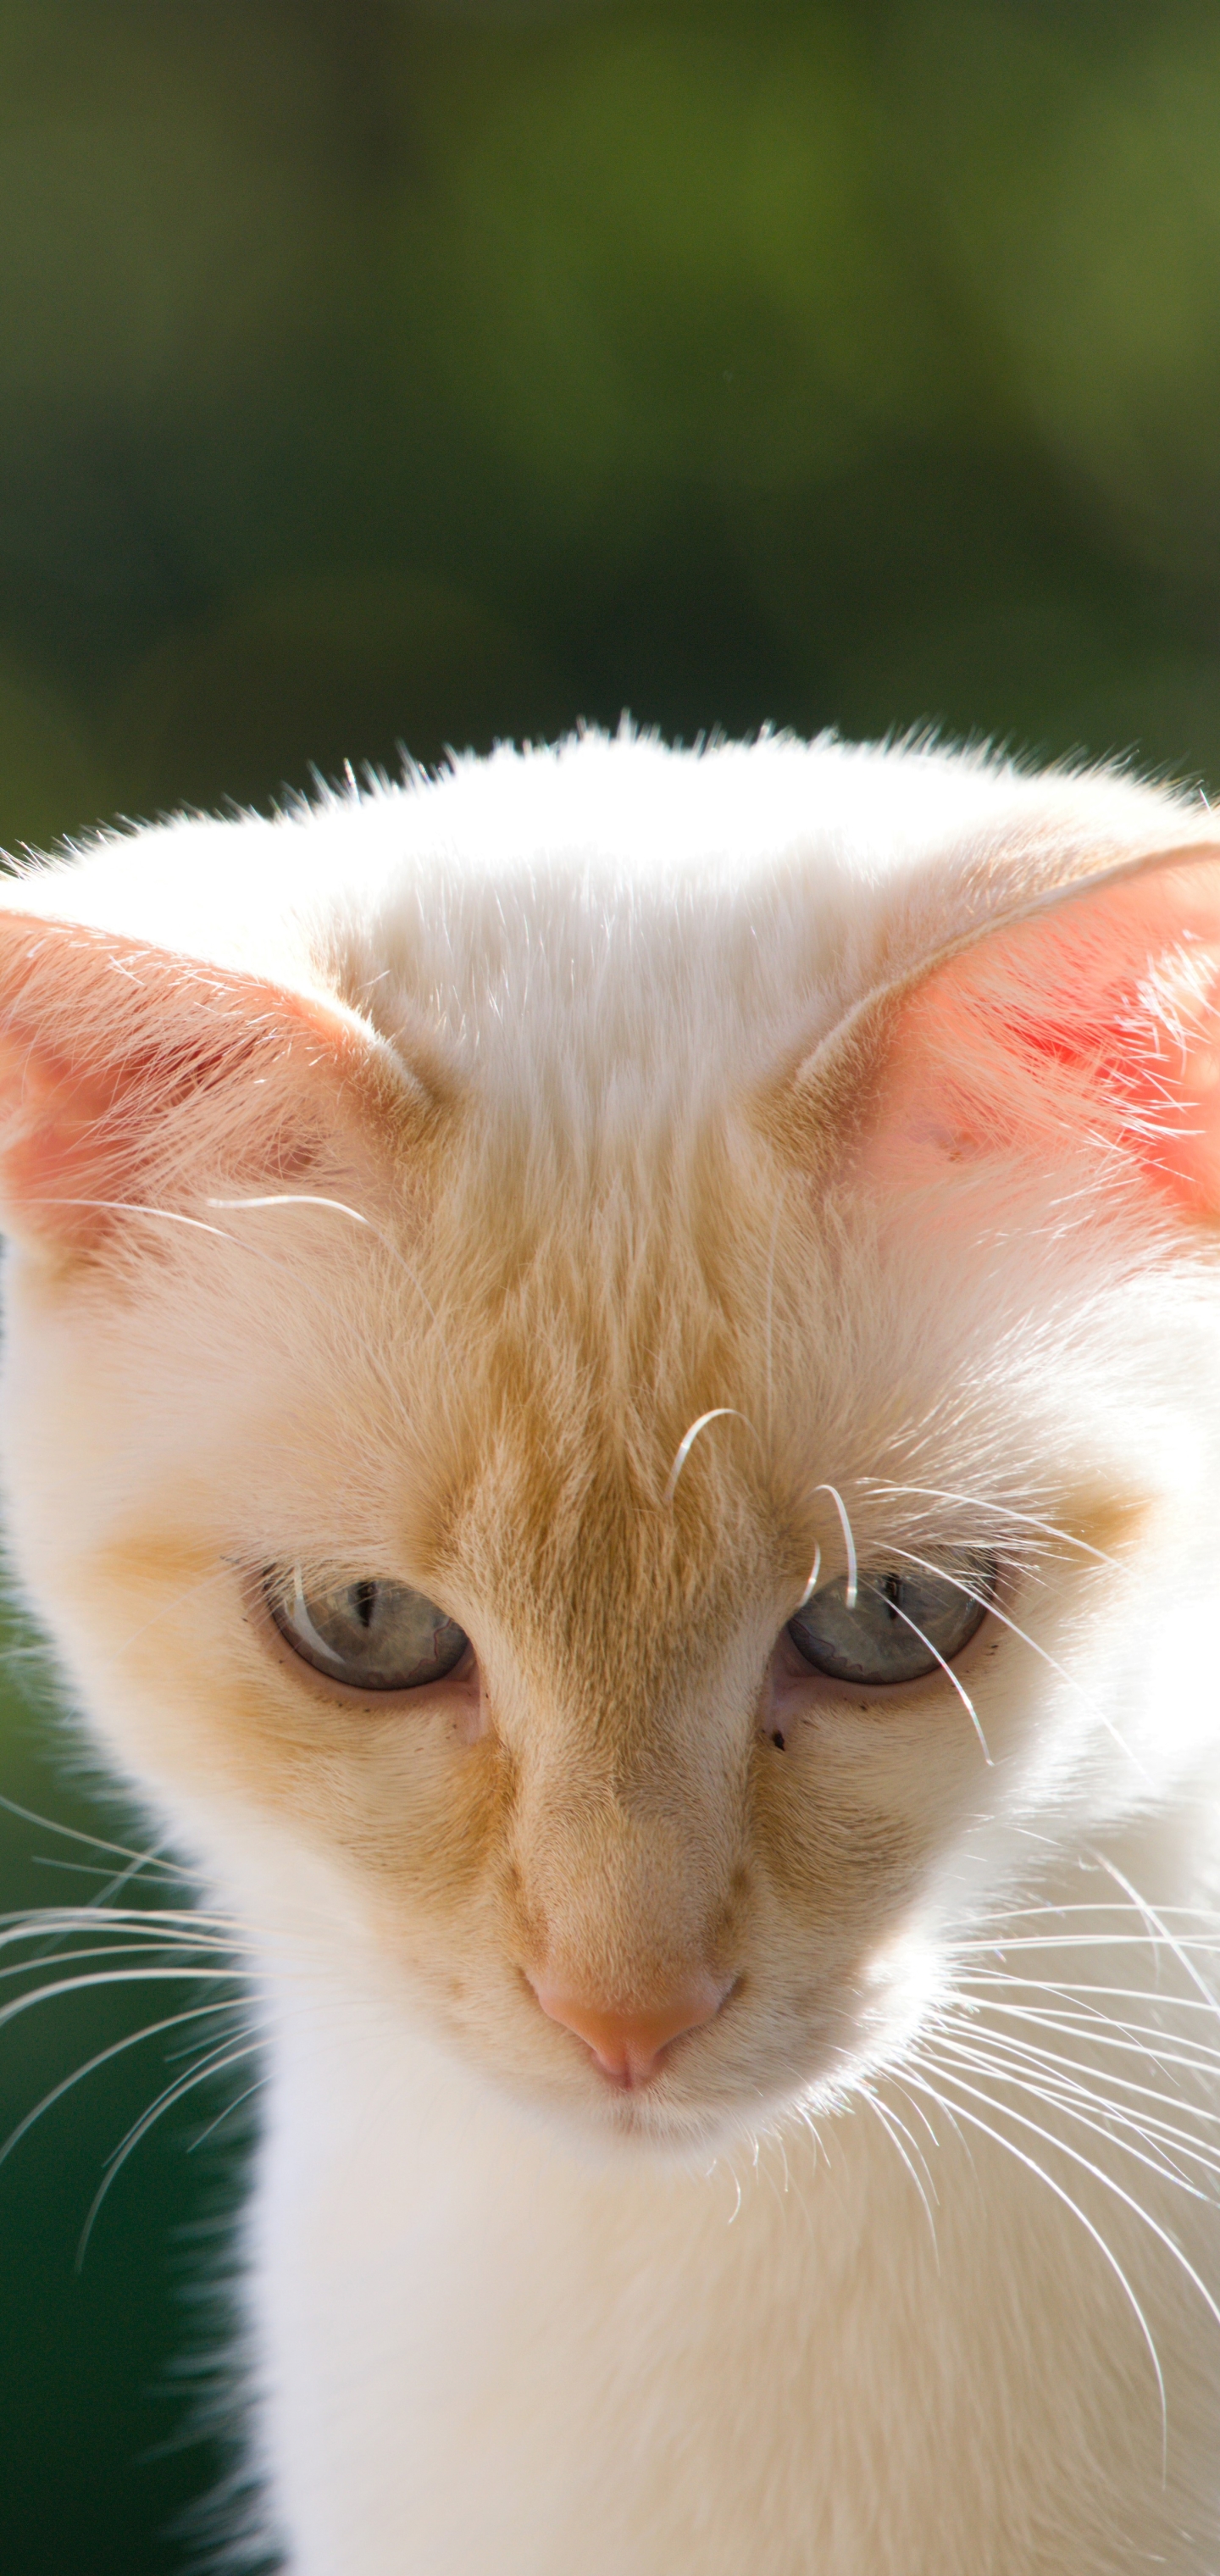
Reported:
(814, 1571)
(40, 1937)
(717, 1413)
(1004, 1511)
(918, 2113)
(1032, 2166)
(769, 1307)
(192, 2051)
(1064, 2094)
(96, 1978)
(1080, 2012)
(1054, 2078)
(978, 1980)
(1133, 2038)
(1070, 1940)
(947, 1669)
(103, 2057)
(849, 1597)
(984, 1602)
(895, 2130)
(135, 1207)
(75, 1958)
(1072, 1992)
(213, 2065)
(90, 1869)
(1108, 2182)
(169, 1923)
(52, 1825)
(149, 1871)
(1153, 1920)
(337, 1207)
(1167, 2046)
(1154, 1950)
(247, 2095)
(1051, 1910)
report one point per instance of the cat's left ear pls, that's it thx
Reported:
(1090, 1022)
(132, 1078)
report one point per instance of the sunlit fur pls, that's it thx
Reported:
(392, 1187)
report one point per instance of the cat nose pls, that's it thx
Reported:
(629, 2046)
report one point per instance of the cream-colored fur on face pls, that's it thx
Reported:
(391, 1188)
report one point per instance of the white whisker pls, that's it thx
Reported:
(51, 1825)
(769, 1307)
(849, 1597)
(814, 1571)
(246, 2095)
(213, 2065)
(1004, 1511)
(718, 1413)
(1064, 2094)
(337, 1207)
(113, 1977)
(892, 2126)
(1108, 2182)
(1032, 2166)
(1151, 1918)
(984, 1602)
(947, 1669)
(1130, 2039)
(130, 2039)
(75, 1958)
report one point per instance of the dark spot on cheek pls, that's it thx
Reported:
(778, 1741)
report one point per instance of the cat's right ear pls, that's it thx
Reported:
(132, 1079)
(1086, 1025)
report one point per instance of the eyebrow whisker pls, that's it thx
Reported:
(848, 1541)
(717, 1413)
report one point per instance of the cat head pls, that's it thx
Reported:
(616, 1515)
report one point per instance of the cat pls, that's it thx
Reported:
(612, 1405)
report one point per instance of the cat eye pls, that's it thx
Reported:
(373, 1635)
(902, 1625)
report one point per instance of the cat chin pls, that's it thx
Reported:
(632, 2128)
(616, 2125)
(643, 2128)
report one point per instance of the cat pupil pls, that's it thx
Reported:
(364, 1602)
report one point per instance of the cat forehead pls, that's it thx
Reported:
(742, 873)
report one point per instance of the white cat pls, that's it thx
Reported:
(612, 1400)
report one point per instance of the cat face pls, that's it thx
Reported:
(621, 1569)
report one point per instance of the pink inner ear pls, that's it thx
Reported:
(51, 1141)
(1091, 1023)
(129, 1075)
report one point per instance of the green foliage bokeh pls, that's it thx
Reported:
(376, 375)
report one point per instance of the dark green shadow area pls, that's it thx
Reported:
(100, 2352)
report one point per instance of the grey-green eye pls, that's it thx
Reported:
(905, 1622)
(374, 1635)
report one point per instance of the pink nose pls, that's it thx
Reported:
(629, 2046)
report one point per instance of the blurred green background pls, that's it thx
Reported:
(375, 374)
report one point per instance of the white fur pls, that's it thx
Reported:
(849, 2330)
